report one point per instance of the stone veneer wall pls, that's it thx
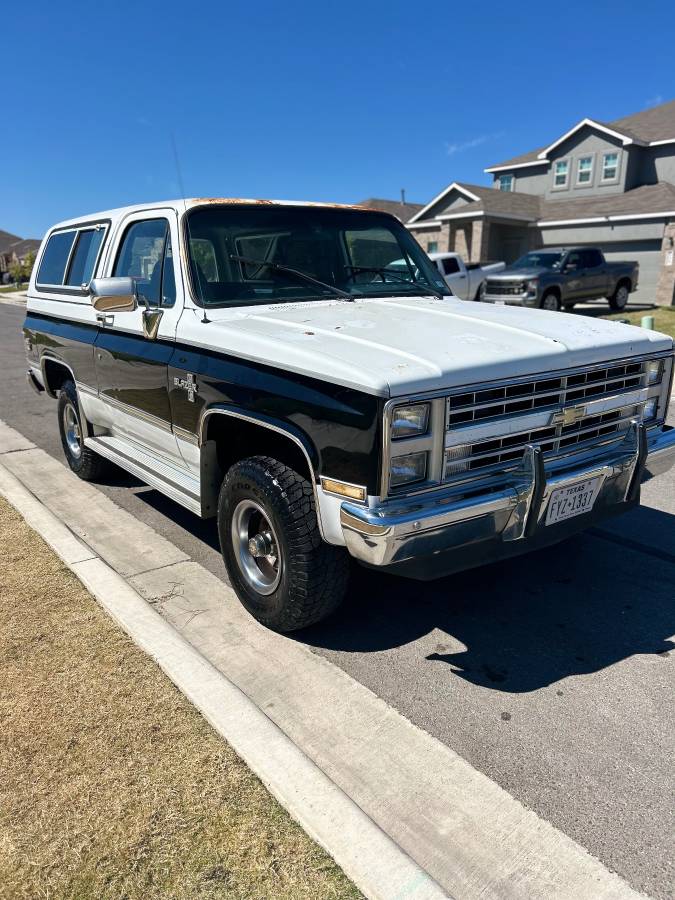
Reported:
(665, 290)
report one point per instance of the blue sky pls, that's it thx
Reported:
(299, 100)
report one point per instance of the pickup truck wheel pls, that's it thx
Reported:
(283, 572)
(550, 301)
(86, 464)
(619, 298)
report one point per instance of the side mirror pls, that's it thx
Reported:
(113, 294)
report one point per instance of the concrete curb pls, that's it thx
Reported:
(373, 861)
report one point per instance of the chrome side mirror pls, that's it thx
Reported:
(113, 294)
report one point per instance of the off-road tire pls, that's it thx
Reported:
(314, 575)
(551, 296)
(88, 466)
(619, 298)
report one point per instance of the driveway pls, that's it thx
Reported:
(553, 673)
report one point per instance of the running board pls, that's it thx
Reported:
(177, 484)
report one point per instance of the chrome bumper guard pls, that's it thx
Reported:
(515, 511)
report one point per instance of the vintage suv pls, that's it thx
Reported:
(263, 363)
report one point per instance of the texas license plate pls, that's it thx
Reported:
(573, 500)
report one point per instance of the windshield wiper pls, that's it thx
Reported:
(277, 267)
(382, 270)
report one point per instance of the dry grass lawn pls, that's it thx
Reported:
(112, 786)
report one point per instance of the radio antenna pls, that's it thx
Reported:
(181, 188)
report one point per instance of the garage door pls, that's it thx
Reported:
(648, 254)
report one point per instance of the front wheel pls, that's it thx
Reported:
(86, 464)
(281, 569)
(551, 301)
(619, 298)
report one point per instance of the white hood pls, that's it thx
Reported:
(405, 345)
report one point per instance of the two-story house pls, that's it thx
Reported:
(610, 184)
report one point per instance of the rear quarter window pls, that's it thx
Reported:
(55, 258)
(70, 257)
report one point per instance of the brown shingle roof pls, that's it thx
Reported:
(402, 211)
(655, 124)
(650, 198)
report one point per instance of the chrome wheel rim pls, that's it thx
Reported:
(550, 303)
(71, 429)
(621, 297)
(256, 547)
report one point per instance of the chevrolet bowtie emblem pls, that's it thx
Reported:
(568, 415)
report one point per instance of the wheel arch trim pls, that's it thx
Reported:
(294, 435)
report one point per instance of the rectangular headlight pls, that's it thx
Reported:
(410, 421)
(654, 371)
(408, 468)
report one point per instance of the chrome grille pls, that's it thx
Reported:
(578, 417)
(505, 288)
(509, 450)
(498, 402)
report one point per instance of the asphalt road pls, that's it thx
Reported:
(553, 674)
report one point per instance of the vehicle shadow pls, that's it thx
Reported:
(204, 530)
(571, 609)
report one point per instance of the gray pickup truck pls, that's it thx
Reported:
(559, 277)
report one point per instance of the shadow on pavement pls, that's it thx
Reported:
(526, 623)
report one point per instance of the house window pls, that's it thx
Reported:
(610, 166)
(560, 173)
(585, 170)
(506, 182)
(432, 247)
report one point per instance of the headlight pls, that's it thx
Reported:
(654, 371)
(650, 409)
(408, 421)
(408, 468)
(532, 286)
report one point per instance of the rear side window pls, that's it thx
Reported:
(450, 265)
(70, 256)
(84, 258)
(55, 258)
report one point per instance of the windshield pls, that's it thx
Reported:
(538, 260)
(346, 253)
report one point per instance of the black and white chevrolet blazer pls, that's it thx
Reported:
(302, 373)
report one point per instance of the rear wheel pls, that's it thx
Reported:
(283, 572)
(86, 464)
(550, 301)
(619, 298)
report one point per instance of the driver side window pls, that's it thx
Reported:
(142, 257)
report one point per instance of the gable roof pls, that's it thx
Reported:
(470, 191)
(484, 199)
(402, 211)
(647, 128)
(647, 201)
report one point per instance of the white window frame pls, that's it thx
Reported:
(508, 190)
(580, 159)
(559, 162)
(615, 177)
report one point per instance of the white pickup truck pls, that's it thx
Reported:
(465, 280)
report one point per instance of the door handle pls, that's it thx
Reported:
(105, 319)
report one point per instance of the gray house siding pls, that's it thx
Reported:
(586, 142)
(531, 180)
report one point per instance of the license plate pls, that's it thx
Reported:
(573, 500)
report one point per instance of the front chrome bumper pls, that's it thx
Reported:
(506, 519)
(525, 299)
